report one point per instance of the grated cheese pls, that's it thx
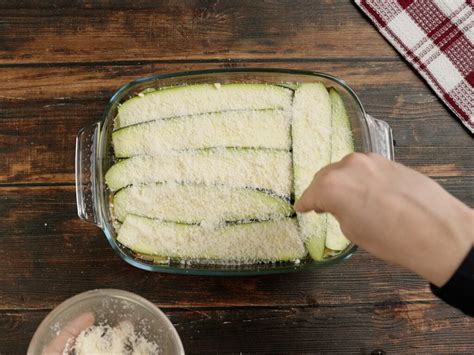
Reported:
(341, 145)
(253, 129)
(206, 155)
(243, 243)
(311, 133)
(190, 203)
(106, 340)
(260, 169)
(196, 99)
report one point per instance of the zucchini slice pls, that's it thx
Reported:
(241, 243)
(311, 137)
(248, 129)
(203, 98)
(341, 145)
(198, 204)
(249, 168)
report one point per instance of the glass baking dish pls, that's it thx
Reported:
(94, 156)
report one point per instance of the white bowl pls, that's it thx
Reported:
(109, 307)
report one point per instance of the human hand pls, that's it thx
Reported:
(68, 333)
(395, 213)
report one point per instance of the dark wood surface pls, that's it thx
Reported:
(59, 64)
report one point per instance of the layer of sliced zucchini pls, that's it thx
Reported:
(201, 204)
(242, 168)
(248, 129)
(210, 171)
(197, 99)
(241, 243)
(341, 145)
(311, 137)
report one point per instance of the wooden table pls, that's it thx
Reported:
(59, 64)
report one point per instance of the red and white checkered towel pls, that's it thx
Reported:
(436, 37)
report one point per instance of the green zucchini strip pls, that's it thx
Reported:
(189, 203)
(342, 144)
(241, 243)
(311, 137)
(248, 129)
(245, 168)
(197, 99)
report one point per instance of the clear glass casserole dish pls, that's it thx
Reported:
(94, 156)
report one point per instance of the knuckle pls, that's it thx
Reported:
(355, 159)
(375, 157)
(331, 179)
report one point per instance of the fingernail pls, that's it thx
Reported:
(297, 206)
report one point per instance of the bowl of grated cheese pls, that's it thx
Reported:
(106, 321)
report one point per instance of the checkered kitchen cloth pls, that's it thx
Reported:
(436, 37)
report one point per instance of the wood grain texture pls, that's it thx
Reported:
(188, 30)
(41, 111)
(60, 61)
(394, 328)
(48, 254)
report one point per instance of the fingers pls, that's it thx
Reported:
(69, 332)
(337, 182)
(314, 198)
(77, 325)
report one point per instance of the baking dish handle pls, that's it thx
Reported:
(86, 185)
(381, 137)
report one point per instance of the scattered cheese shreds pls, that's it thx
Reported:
(264, 169)
(203, 156)
(311, 134)
(248, 129)
(196, 99)
(201, 204)
(243, 243)
(341, 145)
